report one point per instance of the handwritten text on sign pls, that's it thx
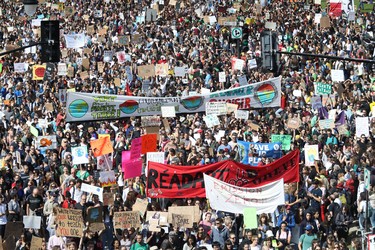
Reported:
(127, 219)
(70, 222)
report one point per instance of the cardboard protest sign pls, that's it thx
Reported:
(316, 102)
(156, 215)
(152, 130)
(36, 242)
(123, 40)
(70, 222)
(189, 210)
(96, 226)
(127, 219)
(326, 123)
(94, 214)
(38, 72)
(231, 107)
(108, 199)
(325, 22)
(145, 71)
(182, 220)
(161, 69)
(153, 225)
(141, 206)
(294, 123)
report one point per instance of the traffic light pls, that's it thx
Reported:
(269, 47)
(50, 39)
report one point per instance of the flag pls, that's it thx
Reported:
(340, 119)
(323, 113)
(335, 8)
(128, 90)
(101, 146)
(75, 41)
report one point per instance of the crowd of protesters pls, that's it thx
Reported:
(318, 211)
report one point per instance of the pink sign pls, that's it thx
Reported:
(132, 168)
(136, 148)
(125, 157)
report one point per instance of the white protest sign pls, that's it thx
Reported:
(234, 199)
(93, 189)
(311, 154)
(242, 114)
(238, 64)
(180, 71)
(168, 111)
(20, 67)
(32, 221)
(222, 77)
(253, 64)
(242, 80)
(216, 108)
(270, 25)
(362, 126)
(337, 75)
(297, 93)
(219, 135)
(80, 155)
(62, 70)
(211, 120)
(155, 157)
(317, 18)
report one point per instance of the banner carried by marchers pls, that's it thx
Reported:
(173, 181)
(252, 153)
(229, 198)
(88, 106)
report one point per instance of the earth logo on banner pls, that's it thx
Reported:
(129, 106)
(192, 103)
(78, 108)
(266, 93)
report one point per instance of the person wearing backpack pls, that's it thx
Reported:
(306, 239)
(284, 235)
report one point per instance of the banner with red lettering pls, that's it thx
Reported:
(233, 199)
(171, 181)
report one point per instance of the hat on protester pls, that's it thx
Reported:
(80, 126)
(269, 233)
(308, 227)
(154, 248)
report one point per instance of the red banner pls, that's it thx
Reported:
(171, 181)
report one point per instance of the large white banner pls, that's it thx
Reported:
(75, 41)
(229, 198)
(89, 106)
